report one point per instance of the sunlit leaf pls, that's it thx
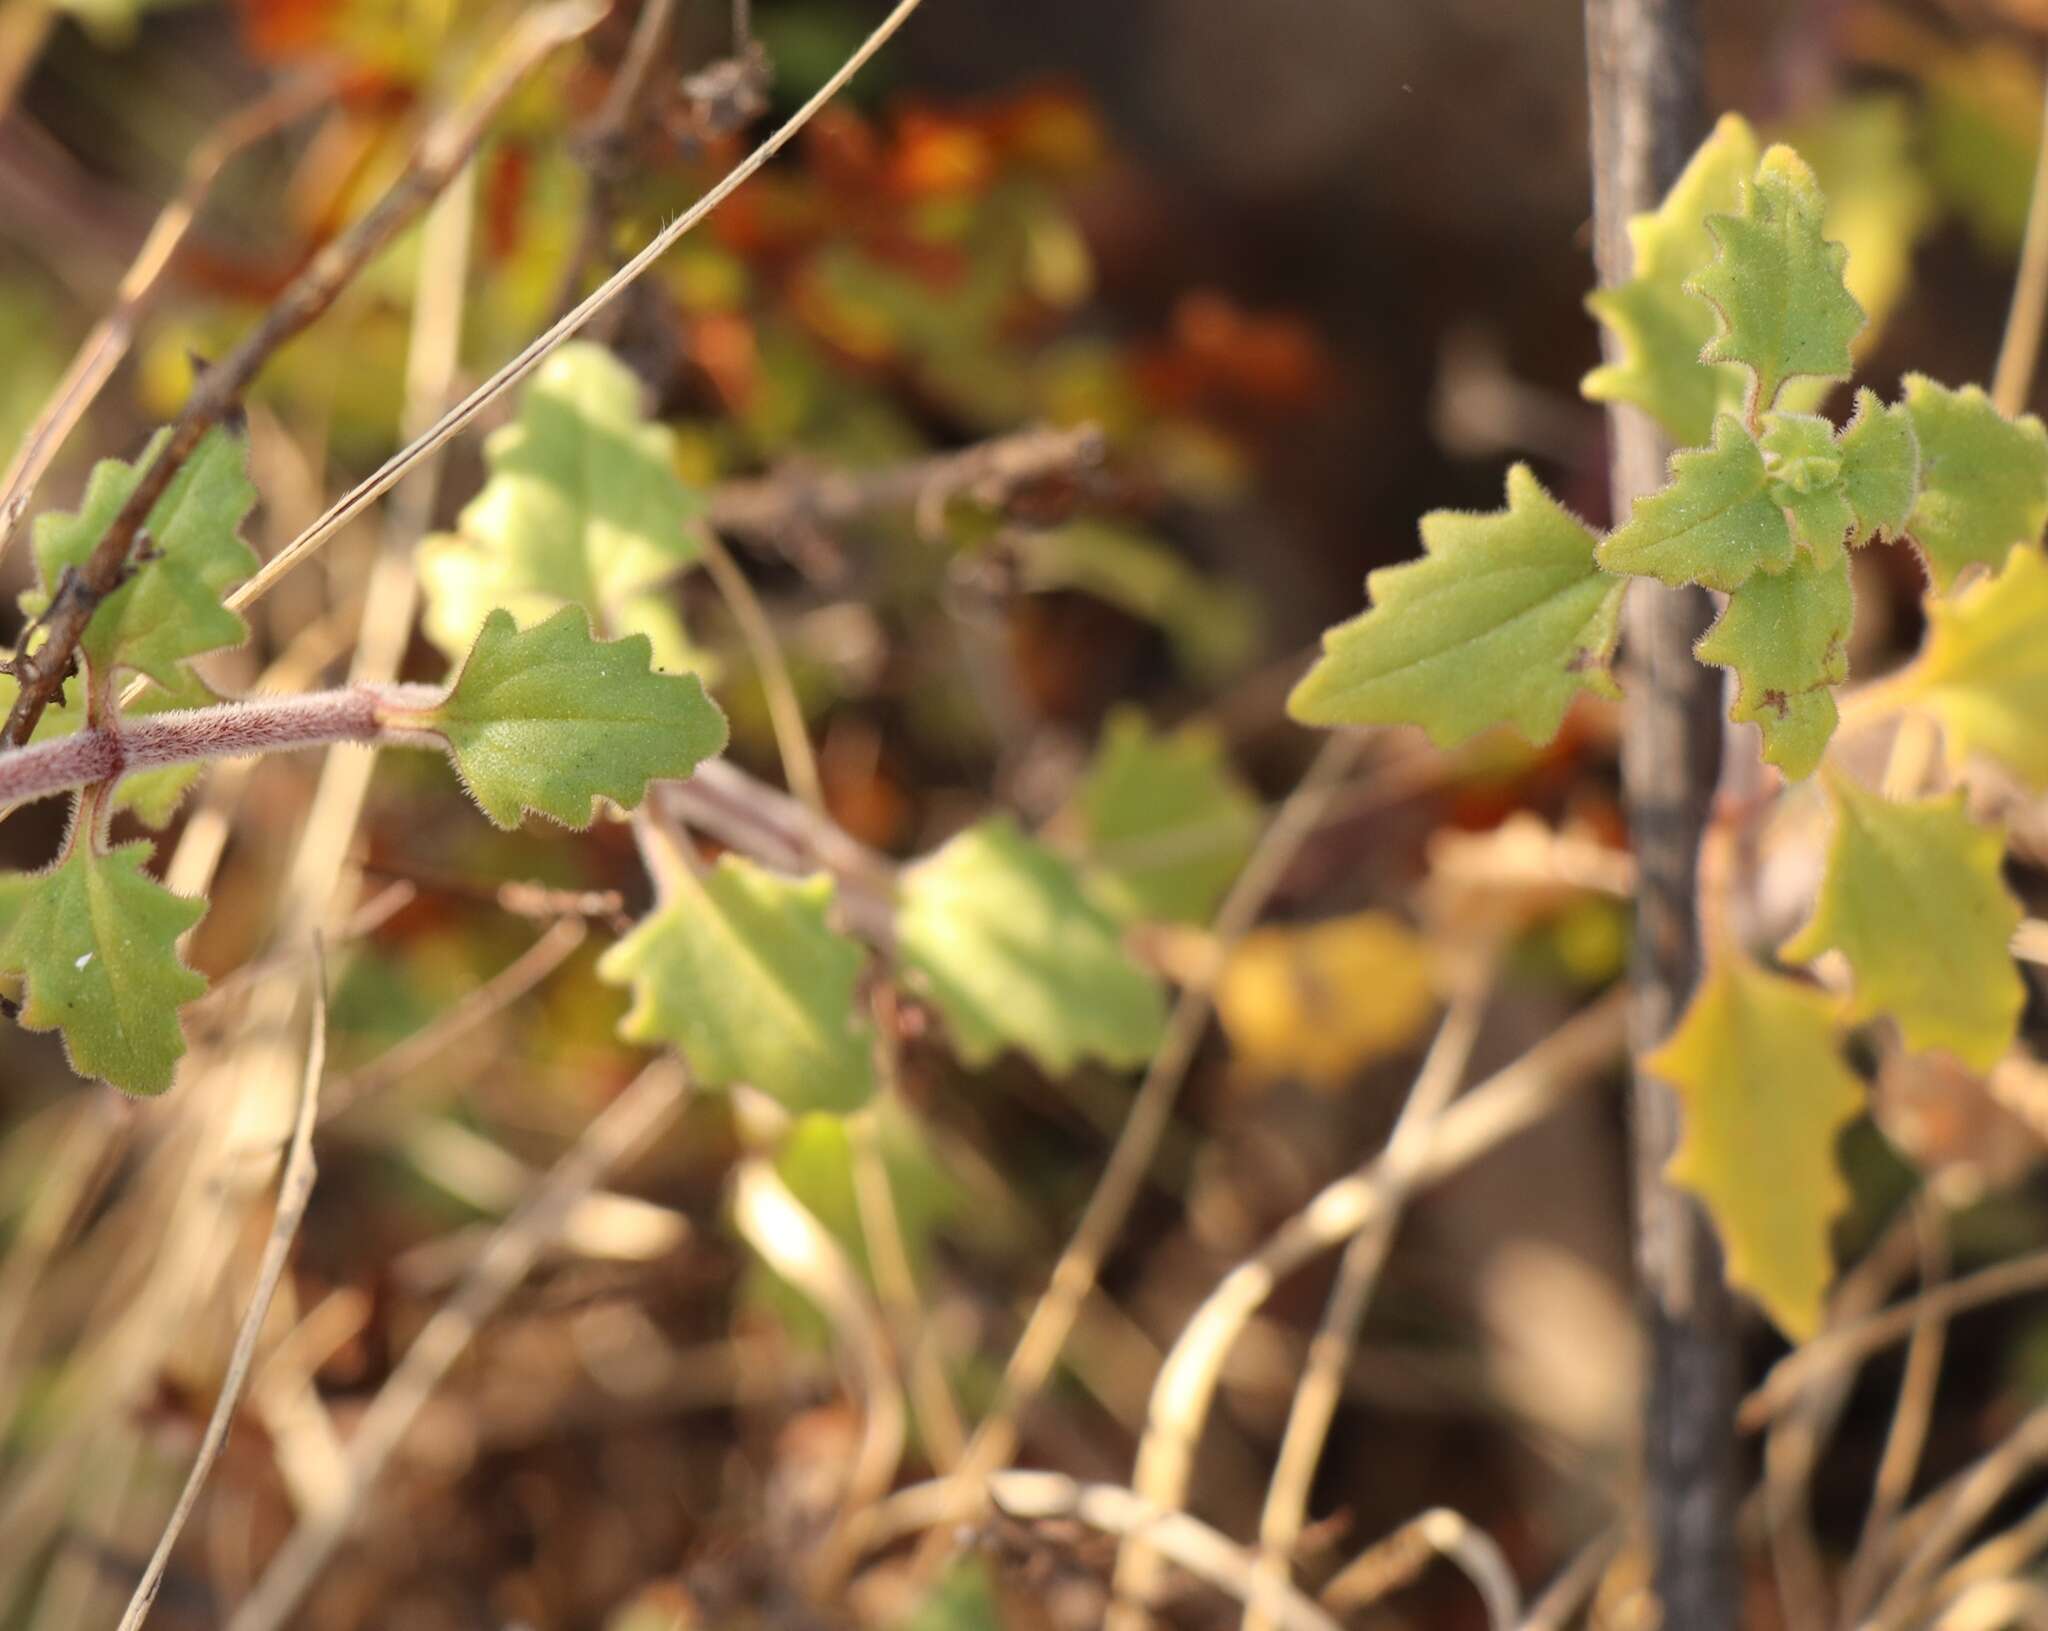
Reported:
(170, 607)
(1787, 639)
(1880, 468)
(1805, 470)
(743, 974)
(550, 719)
(998, 934)
(1757, 1065)
(1165, 821)
(1714, 523)
(1660, 326)
(1776, 282)
(95, 940)
(1914, 899)
(1983, 671)
(1505, 619)
(1983, 478)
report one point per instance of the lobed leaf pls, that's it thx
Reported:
(1504, 620)
(1914, 899)
(1983, 671)
(1757, 1068)
(1714, 523)
(1804, 467)
(996, 931)
(1659, 326)
(170, 607)
(742, 973)
(550, 719)
(583, 505)
(1983, 478)
(1880, 468)
(1787, 639)
(1776, 283)
(95, 941)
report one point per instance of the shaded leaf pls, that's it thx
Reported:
(1983, 478)
(741, 972)
(1983, 671)
(1504, 620)
(1914, 899)
(1714, 523)
(551, 720)
(1787, 639)
(1880, 468)
(1756, 1065)
(1000, 937)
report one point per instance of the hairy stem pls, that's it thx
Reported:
(1647, 116)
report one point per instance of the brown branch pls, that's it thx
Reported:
(1647, 116)
(442, 153)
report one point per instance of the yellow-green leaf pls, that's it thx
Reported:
(1756, 1063)
(1880, 468)
(1776, 282)
(1660, 326)
(1714, 523)
(1787, 639)
(742, 973)
(1804, 467)
(1983, 478)
(95, 939)
(996, 931)
(1983, 671)
(1504, 620)
(1913, 898)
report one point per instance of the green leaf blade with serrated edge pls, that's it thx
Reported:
(1164, 822)
(1659, 326)
(1983, 478)
(1776, 283)
(95, 941)
(1714, 523)
(744, 975)
(170, 607)
(996, 931)
(1913, 897)
(583, 504)
(1757, 1067)
(1504, 620)
(1983, 670)
(1880, 468)
(1787, 640)
(550, 719)
(1804, 471)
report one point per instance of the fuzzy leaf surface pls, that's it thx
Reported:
(1787, 639)
(1914, 899)
(1166, 822)
(1756, 1065)
(1880, 468)
(1660, 327)
(1000, 936)
(1714, 523)
(170, 607)
(1983, 478)
(1983, 671)
(1504, 620)
(95, 941)
(583, 505)
(743, 974)
(1776, 282)
(1805, 470)
(551, 719)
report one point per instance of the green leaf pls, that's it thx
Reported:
(1166, 823)
(743, 975)
(170, 607)
(1505, 619)
(583, 505)
(1714, 523)
(95, 939)
(551, 720)
(1983, 671)
(1804, 467)
(1787, 639)
(997, 933)
(1756, 1065)
(1777, 283)
(1983, 478)
(1914, 899)
(1880, 468)
(1660, 326)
